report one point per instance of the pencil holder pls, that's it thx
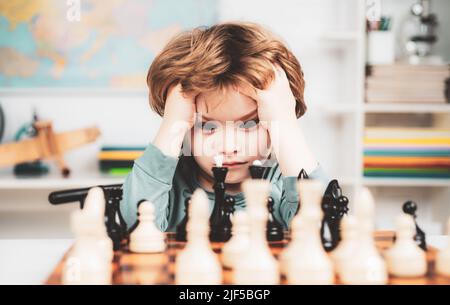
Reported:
(381, 47)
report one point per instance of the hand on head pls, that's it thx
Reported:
(180, 106)
(276, 102)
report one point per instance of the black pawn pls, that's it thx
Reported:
(274, 228)
(410, 208)
(181, 228)
(113, 228)
(256, 171)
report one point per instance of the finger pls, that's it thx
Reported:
(264, 125)
(187, 95)
(279, 71)
(275, 68)
(248, 90)
(173, 88)
(201, 105)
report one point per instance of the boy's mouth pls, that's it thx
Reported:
(234, 164)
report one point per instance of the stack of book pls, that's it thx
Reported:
(118, 160)
(402, 83)
(407, 152)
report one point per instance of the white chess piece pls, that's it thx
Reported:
(308, 208)
(94, 206)
(365, 266)
(94, 203)
(85, 264)
(443, 256)
(257, 265)
(197, 264)
(218, 160)
(310, 264)
(292, 248)
(348, 243)
(405, 258)
(238, 244)
(146, 238)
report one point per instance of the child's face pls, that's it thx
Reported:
(228, 125)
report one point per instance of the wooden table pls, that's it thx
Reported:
(133, 268)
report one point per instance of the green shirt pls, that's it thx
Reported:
(166, 182)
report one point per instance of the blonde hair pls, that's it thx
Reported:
(210, 58)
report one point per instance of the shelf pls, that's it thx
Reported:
(337, 108)
(406, 182)
(73, 92)
(406, 108)
(54, 181)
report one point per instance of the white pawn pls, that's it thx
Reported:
(308, 208)
(146, 238)
(365, 266)
(443, 256)
(85, 264)
(348, 244)
(405, 258)
(233, 249)
(309, 265)
(197, 264)
(94, 203)
(256, 266)
(292, 248)
(94, 206)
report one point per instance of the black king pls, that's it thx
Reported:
(220, 220)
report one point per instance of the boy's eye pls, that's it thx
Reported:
(249, 124)
(208, 127)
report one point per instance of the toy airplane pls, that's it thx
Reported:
(46, 145)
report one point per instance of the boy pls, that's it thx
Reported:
(231, 90)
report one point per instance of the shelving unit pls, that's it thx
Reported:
(406, 182)
(432, 195)
(54, 181)
(407, 108)
(356, 109)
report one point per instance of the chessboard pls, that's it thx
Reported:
(159, 268)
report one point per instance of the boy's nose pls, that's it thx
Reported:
(229, 142)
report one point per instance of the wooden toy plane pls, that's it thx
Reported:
(46, 145)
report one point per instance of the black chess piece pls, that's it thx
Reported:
(114, 221)
(180, 234)
(301, 175)
(410, 207)
(115, 230)
(256, 171)
(220, 220)
(274, 228)
(334, 207)
(229, 208)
